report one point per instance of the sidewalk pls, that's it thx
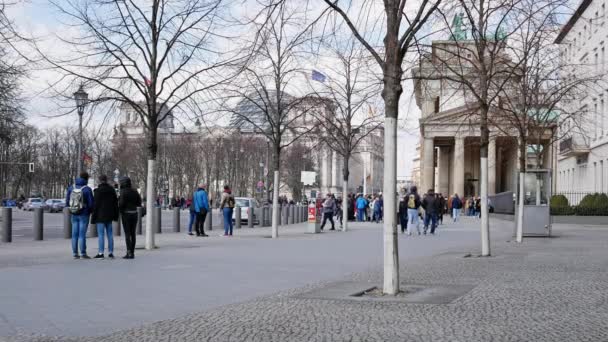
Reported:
(547, 289)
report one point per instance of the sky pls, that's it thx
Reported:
(38, 18)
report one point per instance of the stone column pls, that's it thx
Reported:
(443, 164)
(492, 167)
(335, 173)
(325, 177)
(458, 176)
(428, 167)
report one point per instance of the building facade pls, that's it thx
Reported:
(583, 150)
(449, 151)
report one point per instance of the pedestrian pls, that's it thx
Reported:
(79, 199)
(442, 208)
(192, 217)
(478, 207)
(329, 207)
(339, 211)
(413, 205)
(403, 214)
(361, 205)
(456, 207)
(105, 211)
(227, 206)
(430, 203)
(201, 206)
(128, 202)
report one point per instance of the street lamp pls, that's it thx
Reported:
(81, 98)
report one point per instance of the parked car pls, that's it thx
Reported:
(245, 203)
(54, 205)
(32, 203)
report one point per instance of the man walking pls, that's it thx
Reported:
(201, 206)
(430, 203)
(456, 207)
(329, 207)
(79, 199)
(105, 211)
(403, 214)
(361, 207)
(227, 204)
(128, 203)
(413, 204)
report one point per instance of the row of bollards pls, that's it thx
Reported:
(289, 214)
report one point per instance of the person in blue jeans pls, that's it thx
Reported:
(430, 203)
(80, 208)
(227, 206)
(413, 205)
(192, 219)
(104, 212)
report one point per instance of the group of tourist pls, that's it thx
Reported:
(102, 207)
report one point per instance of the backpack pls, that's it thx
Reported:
(76, 201)
(411, 202)
(230, 201)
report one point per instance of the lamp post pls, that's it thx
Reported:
(81, 98)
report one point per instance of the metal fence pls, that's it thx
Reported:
(574, 197)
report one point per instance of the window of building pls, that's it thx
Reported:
(602, 60)
(603, 15)
(596, 62)
(602, 116)
(601, 176)
(595, 176)
(595, 119)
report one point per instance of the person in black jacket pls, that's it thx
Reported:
(430, 203)
(127, 205)
(104, 212)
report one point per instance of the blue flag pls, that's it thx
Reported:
(317, 76)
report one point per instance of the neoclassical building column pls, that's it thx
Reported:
(492, 167)
(428, 166)
(443, 166)
(458, 176)
(335, 172)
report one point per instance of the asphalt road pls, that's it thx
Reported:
(45, 292)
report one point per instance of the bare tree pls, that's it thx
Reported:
(538, 105)
(264, 105)
(352, 90)
(153, 56)
(400, 23)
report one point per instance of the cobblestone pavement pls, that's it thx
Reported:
(547, 289)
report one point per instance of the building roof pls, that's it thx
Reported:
(577, 14)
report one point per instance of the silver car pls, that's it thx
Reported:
(33, 203)
(245, 203)
(54, 205)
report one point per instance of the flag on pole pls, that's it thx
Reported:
(317, 76)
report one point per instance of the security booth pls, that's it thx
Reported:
(537, 210)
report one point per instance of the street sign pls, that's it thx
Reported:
(308, 177)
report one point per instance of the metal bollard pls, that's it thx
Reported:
(209, 220)
(67, 223)
(292, 211)
(265, 216)
(176, 219)
(285, 214)
(38, 223)
(237, 217)
(157, 220)
(251, 218)
(140, 214)
(7, 224)
(116, 227)
(92, 230)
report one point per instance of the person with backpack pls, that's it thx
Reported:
(79, 199)
(105, 211)
(430, 203)
(456, 207)
(413, 205)
(329, 207)
(201, 206)
(128, 203)
(227, 206)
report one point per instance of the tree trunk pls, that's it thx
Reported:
(391, 93)
(275, 198)
(519, 230)
(345, 208)
(151, 186)
(483, 151)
